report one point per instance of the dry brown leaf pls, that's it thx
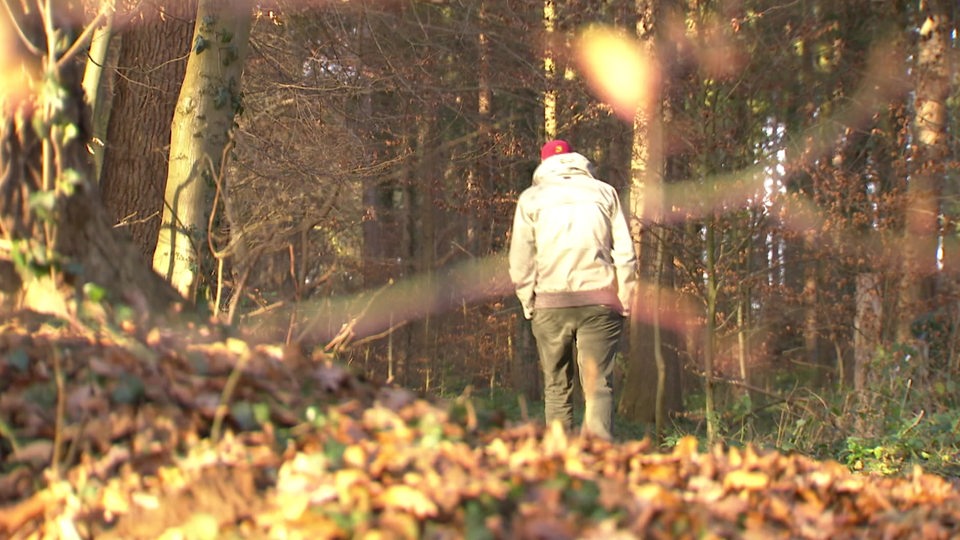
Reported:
(16, 483)
(524, 455)
(706, 489)
(746, 480)
(655, 494)
(331, 377)
(345, 479)
(37, 454)
(664, 473)
(13, 517)
(114, 500)
(407, 499)
(687, 447)
(355, 456)
(555, 440)
(778, 509)
(395, 398)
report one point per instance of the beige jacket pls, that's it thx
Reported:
(571, 245)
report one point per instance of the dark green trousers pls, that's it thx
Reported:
(595, 332)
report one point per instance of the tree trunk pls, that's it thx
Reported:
(423, 245)
(660, 416)
(50, 214)
(866, 341)
(810, 300)
(479, 233)
(209, 100)
(932, 75)
(149, 72)
(549, 71)
(932, 115)
(649, 377)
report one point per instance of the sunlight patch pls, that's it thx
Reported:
(618, 69)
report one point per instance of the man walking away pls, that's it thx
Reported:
(573, 265)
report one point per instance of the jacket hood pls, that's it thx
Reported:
(561, 165)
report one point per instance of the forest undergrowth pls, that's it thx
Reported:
(204, 434)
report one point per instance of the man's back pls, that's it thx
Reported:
(570, 237)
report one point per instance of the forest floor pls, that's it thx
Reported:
(198, 435)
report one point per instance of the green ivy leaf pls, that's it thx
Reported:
(19, 359)
(222, 98)
(43, 203)
(70, 132)
(54, 94)
(129, 389)
(70, 179)
(200, 44)
(123, 312)
(243, 413)
(261, 412)
(94, 292)
(333, 451)
(229, 55)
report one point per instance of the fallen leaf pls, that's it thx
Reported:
(748, 480)
(407, 499)
(37, 454)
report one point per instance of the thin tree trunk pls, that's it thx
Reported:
(209, 99)
(423, 241)
(866, 340)
(549, 71)
(476, 207)
(95, 90)
(810, 301)
(660, 408)
(709, 338)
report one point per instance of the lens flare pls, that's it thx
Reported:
(14, 80)
(619, 70)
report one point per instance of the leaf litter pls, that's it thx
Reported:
(224, 438)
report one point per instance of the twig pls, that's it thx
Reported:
(346, 333)
(128, 220)
(385, 333)
(218, 254)
(7, 431)
(60, 414)
(916, 421)
(265, 309)
(84, 37)
(219, 297)
(226, 396)
(36, 51)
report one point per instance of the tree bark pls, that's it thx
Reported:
(866, 341)
(209, 100)
(147, 77)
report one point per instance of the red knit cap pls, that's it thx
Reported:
(553, 148)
